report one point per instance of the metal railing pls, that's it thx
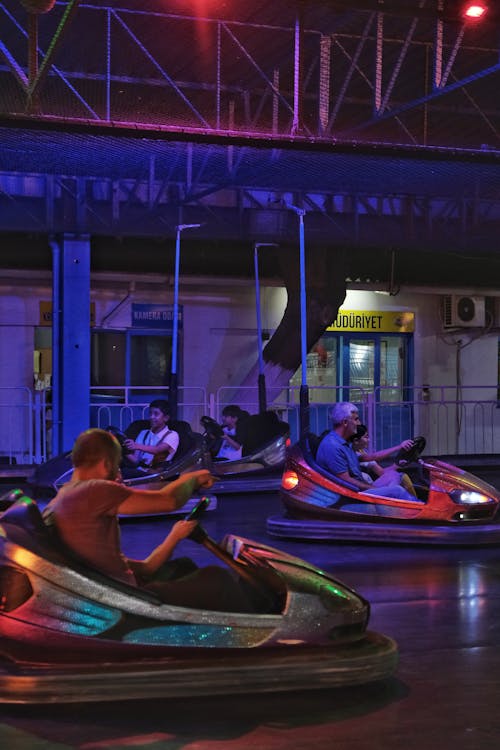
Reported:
(17, 425)
(119, 406)
(26, 416)
(464, 421)
(454, 421)
(286, 402)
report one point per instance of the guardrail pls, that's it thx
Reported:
(118, 406)
(454, 421)
(17, 425)
(26, 416)
(465, 422)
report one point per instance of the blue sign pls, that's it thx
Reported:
(155, 316)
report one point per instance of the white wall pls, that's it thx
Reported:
(219, 338)
(456, 365)
(17, 317)
(435, 349)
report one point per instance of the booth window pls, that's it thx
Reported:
(130, 358)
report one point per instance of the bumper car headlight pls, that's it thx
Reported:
(470, 497)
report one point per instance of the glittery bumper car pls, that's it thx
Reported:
(70, 634)
(451, 506)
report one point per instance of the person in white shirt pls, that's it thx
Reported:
(231, 446)
(157, 444)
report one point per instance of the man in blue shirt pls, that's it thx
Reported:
(336, 455)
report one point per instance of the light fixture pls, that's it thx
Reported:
(474, 11)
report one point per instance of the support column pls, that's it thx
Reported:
(71, 340)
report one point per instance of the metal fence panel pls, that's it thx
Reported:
(463, 422)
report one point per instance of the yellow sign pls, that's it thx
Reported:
(374, 321)
(46, 313)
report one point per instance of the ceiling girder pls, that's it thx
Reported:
(257, 77)
(47, 204)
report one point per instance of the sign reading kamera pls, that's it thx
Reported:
(155, 316)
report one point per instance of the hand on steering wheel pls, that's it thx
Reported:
(183, 529)
(212, 427)
(405, 457)
(120, 436)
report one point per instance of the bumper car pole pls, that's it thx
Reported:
(262, 378)
(173, 395)
(304, 390)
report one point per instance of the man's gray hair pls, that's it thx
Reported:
(340, 411)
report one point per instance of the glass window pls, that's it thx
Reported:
(391, 369)
(367, 364)
(150, 360)
(120, 358)
(108, 358)
(361, 364)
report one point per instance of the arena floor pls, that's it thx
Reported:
(441, 605)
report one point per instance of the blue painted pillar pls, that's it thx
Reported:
(71, 340)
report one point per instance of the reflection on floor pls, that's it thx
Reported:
(442, 606)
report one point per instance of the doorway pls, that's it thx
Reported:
(351, 366)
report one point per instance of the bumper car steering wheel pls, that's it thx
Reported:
(212, 427)
(406, 457)
(213, 435)
(120, 436)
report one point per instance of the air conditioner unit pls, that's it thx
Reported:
(463, 311)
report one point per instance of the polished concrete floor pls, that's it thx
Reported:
(442, 606)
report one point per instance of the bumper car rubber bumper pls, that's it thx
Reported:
(248, 671)
(475, 534)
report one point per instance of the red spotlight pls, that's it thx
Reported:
(474, 11)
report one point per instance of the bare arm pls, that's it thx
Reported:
(171, 497)
(132, 457)
(164, 551)
(153, 449)
(387, 452)
(232, 442)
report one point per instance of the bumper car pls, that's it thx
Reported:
(263, 454)
(451, 506)
(259, 469)
(47, 478)
(70, 634)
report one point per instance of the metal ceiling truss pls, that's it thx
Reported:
(339, 75)
(42, 203)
